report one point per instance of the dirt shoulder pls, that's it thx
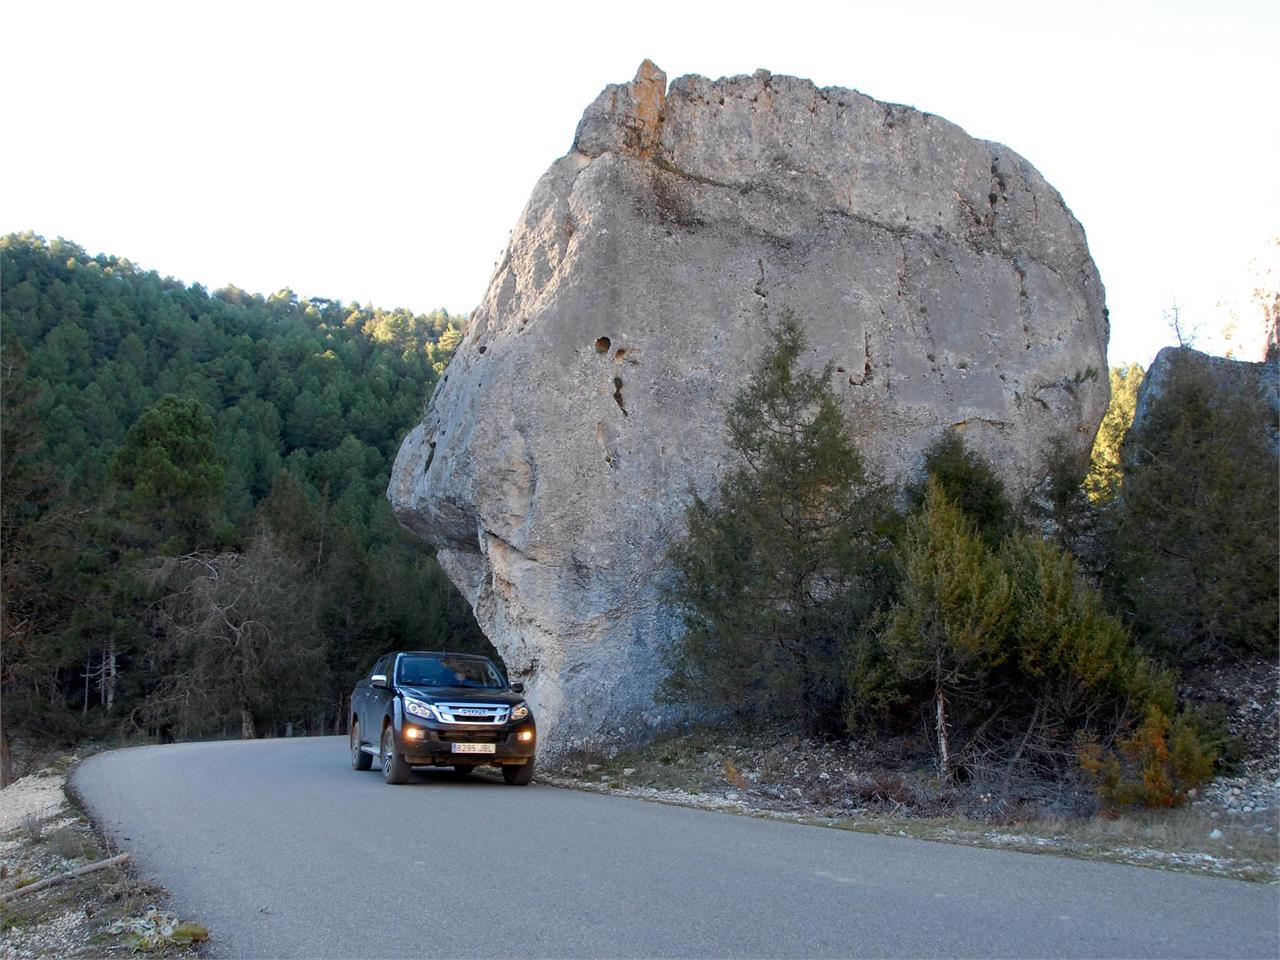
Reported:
(856, 786)
(45, 833)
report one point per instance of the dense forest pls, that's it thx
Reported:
(164, 445)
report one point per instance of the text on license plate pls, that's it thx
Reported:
(474, 748)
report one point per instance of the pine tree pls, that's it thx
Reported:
(780, 566)
(170, 471)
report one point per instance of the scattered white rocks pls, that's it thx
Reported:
(32, 798)
(1240, 794)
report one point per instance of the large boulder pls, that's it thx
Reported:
(943, 278)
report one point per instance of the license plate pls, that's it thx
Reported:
(474, 748)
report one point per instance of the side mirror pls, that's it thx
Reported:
(379, 680)
(517, 687)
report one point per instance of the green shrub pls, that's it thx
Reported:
(1155, 765)
(1007, 653)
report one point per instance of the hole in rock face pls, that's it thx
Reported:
(839, 369)
(602, 344)
(481, 349)
(617, 383)
(620, 354)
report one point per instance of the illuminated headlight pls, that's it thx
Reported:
(413, 733)
(524, 736)
(519, 711)
(419, 709)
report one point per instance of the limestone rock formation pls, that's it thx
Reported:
(941, 275)
(1229, 378)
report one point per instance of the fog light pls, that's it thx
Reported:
(524, 736)
(413, 733)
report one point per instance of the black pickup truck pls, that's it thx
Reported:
(424, 708)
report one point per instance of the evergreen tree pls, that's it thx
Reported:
(1197, 546)
(951, 624)
(780, 567)
(170, 471)
(969, 483)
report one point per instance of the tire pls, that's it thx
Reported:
(394, 769)
(518, 776)
(359, 759)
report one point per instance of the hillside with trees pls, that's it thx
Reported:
(164, 446)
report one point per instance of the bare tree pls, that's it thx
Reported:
(240, 638)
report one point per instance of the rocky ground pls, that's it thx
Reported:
(1246, 692)
(888, 786)
(44, 833)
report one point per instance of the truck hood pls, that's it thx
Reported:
(462, 695)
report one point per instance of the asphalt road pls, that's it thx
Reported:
(284, 851)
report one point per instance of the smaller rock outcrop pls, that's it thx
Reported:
(1229, 378)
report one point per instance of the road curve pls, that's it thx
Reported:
(284, 851)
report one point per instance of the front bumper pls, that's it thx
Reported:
(431, 744)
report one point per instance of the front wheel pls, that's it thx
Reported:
(518, 776)
(359, 759)
(394, 769)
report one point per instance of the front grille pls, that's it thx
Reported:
(486, 713)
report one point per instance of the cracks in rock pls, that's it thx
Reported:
(1024, 301)
(1020, 397)
(759, 288)
(610, 453)
(985, 223)
(902, 274)
(998, 185)
(507, 545)
(988, 421)
(867, 368)
(662, 163)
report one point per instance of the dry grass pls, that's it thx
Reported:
(1246, 848)
(841, 785)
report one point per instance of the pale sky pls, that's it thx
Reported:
(381, 152)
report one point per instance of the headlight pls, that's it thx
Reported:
(519, 711)
(420, 709)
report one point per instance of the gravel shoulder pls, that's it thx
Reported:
(44, 833)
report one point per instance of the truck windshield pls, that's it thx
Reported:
(418, 671)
